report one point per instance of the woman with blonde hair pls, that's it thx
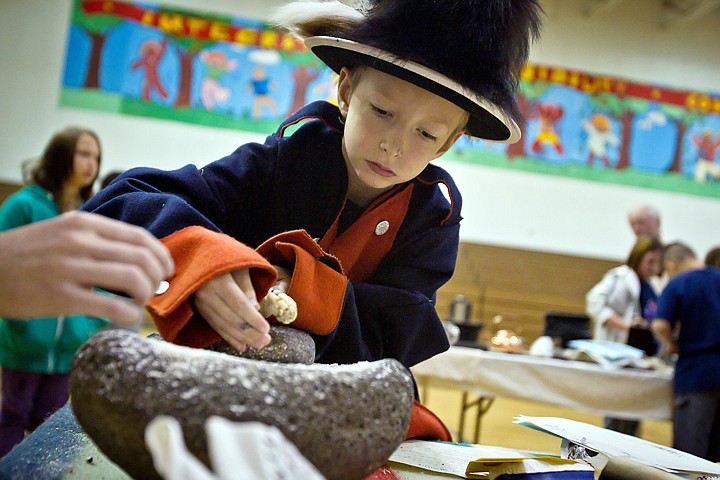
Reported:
(624, 299)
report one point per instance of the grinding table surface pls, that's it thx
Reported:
(59, 449)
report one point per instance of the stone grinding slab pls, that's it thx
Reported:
(345, 419)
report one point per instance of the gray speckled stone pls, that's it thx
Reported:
(345, 419)
(288, 345)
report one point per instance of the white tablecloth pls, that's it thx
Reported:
(625, 393)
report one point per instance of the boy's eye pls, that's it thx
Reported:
(428, 135)
(379, 110)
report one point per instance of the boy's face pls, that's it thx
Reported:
(393, 129)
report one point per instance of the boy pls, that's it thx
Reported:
(346, 213)
(692, 300)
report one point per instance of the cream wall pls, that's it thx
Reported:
(501, 207)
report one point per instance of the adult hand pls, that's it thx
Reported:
(617, 322)
(669, 349)
(640, 322)
(229, 304)
(52, 268)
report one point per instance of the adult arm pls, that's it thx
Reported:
(53, 267)
(598, 303)
(663, 332)
(664, 324)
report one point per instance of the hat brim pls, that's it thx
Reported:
(487, 121)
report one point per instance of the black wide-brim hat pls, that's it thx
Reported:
(487, 120)
(469, 52)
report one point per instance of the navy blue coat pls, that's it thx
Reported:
(299, 181)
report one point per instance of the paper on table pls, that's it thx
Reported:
(463, 460)
(612, 351)
(448, 457)
(615, 444)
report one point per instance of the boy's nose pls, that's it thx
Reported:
(393, 151)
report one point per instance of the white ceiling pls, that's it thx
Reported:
(675, 13)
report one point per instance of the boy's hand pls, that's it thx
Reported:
(283, 281)
(229, 304)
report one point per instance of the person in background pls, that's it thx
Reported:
(688, 324)
(678, 258)
(645, 220)
(712, 259)
(625, 299)
(36, 355)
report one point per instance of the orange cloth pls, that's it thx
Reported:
(382, 473)
(318, 284)
(360, 249)
(201, 255)
(425, 424)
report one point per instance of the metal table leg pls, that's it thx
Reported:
(482, 404)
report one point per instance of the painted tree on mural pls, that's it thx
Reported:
(682, 118)
(527, 99)
(305, 71)
(188, 47)
(96, 26)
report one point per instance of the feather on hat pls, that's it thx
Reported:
(470, 52)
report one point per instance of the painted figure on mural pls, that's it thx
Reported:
(549, 114)
(260, 86)
(706, 166)
(217, 64)
(599, 137)
(151, 53)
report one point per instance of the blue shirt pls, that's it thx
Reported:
(693, 300)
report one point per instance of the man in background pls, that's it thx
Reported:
(645, 219)
(691, 303)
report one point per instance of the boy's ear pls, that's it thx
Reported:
(344, 91)
(450, 142)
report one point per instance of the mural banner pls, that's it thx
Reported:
(228, 72)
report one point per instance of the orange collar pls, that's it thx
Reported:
(366, 242)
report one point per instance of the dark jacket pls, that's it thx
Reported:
(385, 295)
